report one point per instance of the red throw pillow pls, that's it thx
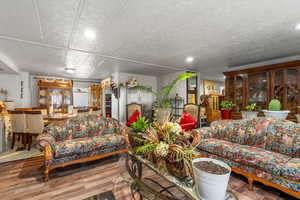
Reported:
(133, 117)
(187, 122)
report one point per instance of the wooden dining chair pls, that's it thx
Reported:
(34, 125)
(83, 112)
(18, 126)
(130, 108)
(194, 111)
(43, 111)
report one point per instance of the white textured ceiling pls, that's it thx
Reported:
(147, 37)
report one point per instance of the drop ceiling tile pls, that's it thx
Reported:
(17, 19)
(32, 58)
(100, 16)
(57, 19)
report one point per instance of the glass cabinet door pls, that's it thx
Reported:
(239, 91)
(292, 91)
(279, 86)
(43, 97)
(257, 84)
(56, 99)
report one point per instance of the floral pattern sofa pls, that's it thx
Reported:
(264, 150)
(80, 139)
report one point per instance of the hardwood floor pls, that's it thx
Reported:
(24, 180)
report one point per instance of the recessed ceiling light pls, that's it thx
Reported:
(70, 70)
(297, 27)
(189, 59)
(89, 34)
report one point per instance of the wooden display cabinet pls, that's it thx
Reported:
(262, 84)
(95, 97)
(56, 93)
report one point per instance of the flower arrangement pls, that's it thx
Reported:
(165, 145)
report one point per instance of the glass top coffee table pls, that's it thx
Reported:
(144, 187)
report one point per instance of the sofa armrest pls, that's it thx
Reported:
(203, 133)
(46, 142)
(124, 131)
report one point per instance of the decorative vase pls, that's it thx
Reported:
(282, 114)
(298, 118)
(210, 186)
(249, 115)
(226, 114)
(163, 114)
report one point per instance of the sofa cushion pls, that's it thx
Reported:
(256, 132)
(256, 157)
(112, 126)
(83, 145)
(291, 169)
(284, 137)
(219, 129)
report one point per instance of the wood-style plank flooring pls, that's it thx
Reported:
(23, 180)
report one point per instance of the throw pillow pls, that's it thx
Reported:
(133, 118)
(187, 122)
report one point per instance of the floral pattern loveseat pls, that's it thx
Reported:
(81, 139)
(264, 150)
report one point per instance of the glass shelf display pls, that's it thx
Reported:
(192, 88)
(258, 89)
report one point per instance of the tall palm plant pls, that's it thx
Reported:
(163, 99)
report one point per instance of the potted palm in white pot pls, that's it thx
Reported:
(275, 110)
(163, 104)
(250, 112)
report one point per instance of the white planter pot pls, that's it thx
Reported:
(249, 115)
(282, 114)
(163, 114)
(210, 186)
(298, 118)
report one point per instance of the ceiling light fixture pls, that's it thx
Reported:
(70, 70)
(297, 27)
(189, 59)
(90, 34)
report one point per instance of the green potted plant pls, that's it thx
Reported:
(250, 112)
(138, 127)
(298, 115)
(226, 109)
(275, 111)
(163, 99)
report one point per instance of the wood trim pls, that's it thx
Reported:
(44, 83)
(291, 64)
(48, 157)
(252, 178)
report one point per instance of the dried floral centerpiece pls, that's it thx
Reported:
(166, 145)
